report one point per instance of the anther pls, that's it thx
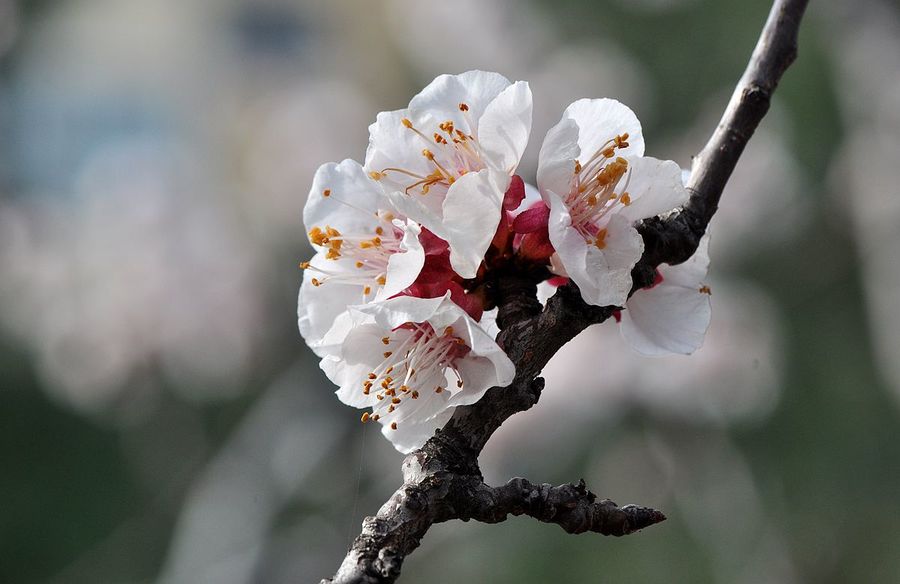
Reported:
(393, 425)
(326, 193)
(463, 107)
(365, 417)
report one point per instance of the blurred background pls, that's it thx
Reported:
(162, 421)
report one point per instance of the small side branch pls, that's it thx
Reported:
(571, 506)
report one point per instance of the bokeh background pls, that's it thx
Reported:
(162, 421)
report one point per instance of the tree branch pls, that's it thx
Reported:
(571, 506)
(442, 480)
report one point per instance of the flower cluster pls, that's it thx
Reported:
(395, 300)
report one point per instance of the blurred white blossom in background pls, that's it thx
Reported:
(136, 273)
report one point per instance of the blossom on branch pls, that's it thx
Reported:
(597, 184)
(365, 252)
(447, 160)
(411, 361)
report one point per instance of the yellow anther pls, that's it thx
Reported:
(622, 140)
(625, 199)
(393, 425)
(385, 340)
(705, 290)
(577, 167)
(379, 230)
(600, 242)
(316, 282)
(381, 280)
(404, 388)
(391, 408)
(463, 107)
(592, 200)
(395, 400)
(415, 394)
(375, 175)
(317, 236)
(427, 154)
(406, 123)
(375, 418)
(365, 417)
(332, 254)
(448, 331)
(304, 265)
(359, 264)
(372, 376)
(387, 354)
(376, 241)
(326, 193)
(367, 290)
(608, 153)
(379, 397)
(438, 389)
(331, 231)
(459, 383)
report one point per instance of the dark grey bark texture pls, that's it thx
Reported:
(442, 480)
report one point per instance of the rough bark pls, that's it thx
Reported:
(442, 480)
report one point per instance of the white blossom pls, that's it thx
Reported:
(411, 361)
(447, 160)
(365, 251)
(594, 178)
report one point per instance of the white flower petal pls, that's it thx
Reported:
(348, 183)
(655, 187)
(471, 215)
(556, 161)
(391, 144)
(504, 128)
(666, 319)
(360, 350)
(673, 316)
(601, 120)
(441, 98)
(411, 434)
(319, 306)
(404, 267)
(424, 210)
